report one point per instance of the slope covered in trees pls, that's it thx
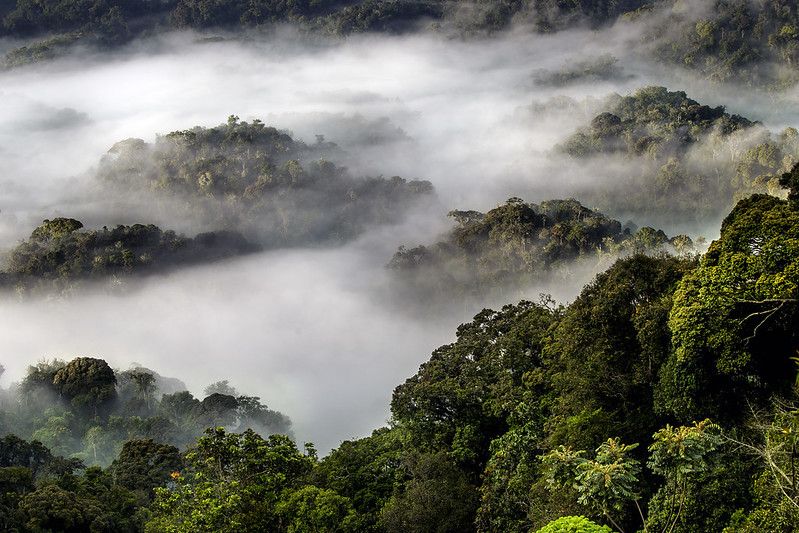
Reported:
(87, 410)
(118, 19)
(517, 244)
(59, 254)
(663, 398)
(652, 121)
(752, 42)
(683, 157)
(262, 187)
(258, 180)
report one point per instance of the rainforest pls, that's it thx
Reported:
(399, 266)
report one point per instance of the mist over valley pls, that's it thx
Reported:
(470, 252)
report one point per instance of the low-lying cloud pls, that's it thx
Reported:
(308, 330)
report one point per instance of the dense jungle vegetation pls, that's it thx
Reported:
(264, 189)
(664, 398)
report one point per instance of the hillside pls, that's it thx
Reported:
(518, 244)
(258, 180)
(59, 254)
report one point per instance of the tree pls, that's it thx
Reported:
(514, 496)
(15, 482)
(57, 431)
(183, 410)
(365, 471)
(55, 229)
(314, 510)
(144, 464)
(87, 383)
(232, 483)
(604, 484)
(773, 441)
(438, 498)
(38, 385)
(16, 452)
(179, 407)
(51, 508)
(790, 181)
(145, 385)
(733, 322)
(220, 387)
(100, 445)
(686, 458)
(257, 416)
(461, 398)
(218, 410)
(609, 482)
(605, 354)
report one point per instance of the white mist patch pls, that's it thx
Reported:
(301, 329)
(307, 330)
(455, 100)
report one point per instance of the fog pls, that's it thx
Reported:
(310, 331)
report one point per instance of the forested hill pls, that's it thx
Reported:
(664, 398)
(653, 121)
(256, 179)
(59, 255)
(518, 244)
(677, 157)
(751, 41)
(116, 20)
(265, 189)
(86, 410)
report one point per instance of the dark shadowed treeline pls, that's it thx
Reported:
(755, 42)
(59, 255)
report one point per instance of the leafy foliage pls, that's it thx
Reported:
(81, 409)
(438, 497)
(654, 121)
(573, 524)
(365, 471)
(233, 482)
(464, 395)
(604, 484)
(749, 41)
(86, 383)
(143, 464)
(489, 435)
(607, 351)
(734, 40)
(733, 320)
